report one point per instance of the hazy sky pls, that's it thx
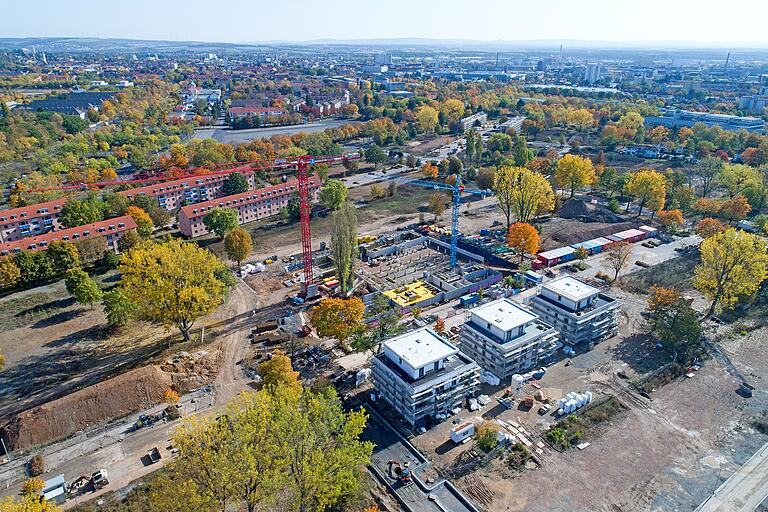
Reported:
(707, 21)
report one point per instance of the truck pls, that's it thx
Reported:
(99, 479)
(468, 300)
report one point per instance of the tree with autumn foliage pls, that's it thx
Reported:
(338, 318)
(708, 227)
(426, 118)
(277, 370)
(429, 170)
(173, 283)
(574, 172)
(735, 209)
(523, 238)
(671, 219)
(648, 188)
(617, 257)
(733, 266)
(144, 224)
(437, 204)
(238, 244)
(522, 193)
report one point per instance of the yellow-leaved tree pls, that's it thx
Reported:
(426, 118)
(648, 188)
(338, 318)
(522, 193)
(733, 266)
(278, 370)
(574, 172)
(173, 283)
(238, 244)
(280, 445)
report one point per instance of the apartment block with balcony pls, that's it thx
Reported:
(250, 206)
(32, 220)
(194, 189)
(506, 338)
(423, 377)
(581, 313)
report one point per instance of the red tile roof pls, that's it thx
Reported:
(31, 211)
(191, 181)
(41, 242)
(259, 193)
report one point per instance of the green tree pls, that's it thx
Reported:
(736, 178)
(706, 171)
(238, 244)
(281, 446)
(344, 243)
(675, 322)
(220, 221)
(235, 183)
(522, 153)
(77, 212)
(84, 289)
(333, 194)
(127, 240)
(118, 308)
(375, 155)
(64, 256)
(173, 283)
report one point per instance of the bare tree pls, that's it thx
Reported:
(618, 256)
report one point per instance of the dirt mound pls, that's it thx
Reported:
(587, 212)
(113, 398)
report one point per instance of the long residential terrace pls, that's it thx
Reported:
(111, 230)
(250, 206)
(32, 220)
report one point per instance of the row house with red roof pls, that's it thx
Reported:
(111, 230)
(250, 206)
(193, 189)
(32, 220)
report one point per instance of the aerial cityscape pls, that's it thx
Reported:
(401, 257)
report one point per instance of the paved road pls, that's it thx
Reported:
(744, 490)
(236, 136)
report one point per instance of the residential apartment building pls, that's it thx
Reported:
(506, 338)
(672, 118)
(111, 230)
(176, 193)
(423, 377)
(579, 312)
(474, 120)
(250, 206)
(32, 220)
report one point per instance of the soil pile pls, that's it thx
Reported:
(587, 212)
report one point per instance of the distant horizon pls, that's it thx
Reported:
(478, 44)
(656, 22)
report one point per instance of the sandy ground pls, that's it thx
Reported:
(667, 454)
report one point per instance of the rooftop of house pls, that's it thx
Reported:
(421, 347)
(505, 314)
(31, 211)
(571, 288)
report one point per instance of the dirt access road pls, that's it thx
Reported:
(118, 449)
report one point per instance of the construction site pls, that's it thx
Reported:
(414, 271)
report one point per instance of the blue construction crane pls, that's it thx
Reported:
(456, 189)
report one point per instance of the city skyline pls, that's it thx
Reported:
(597, 22)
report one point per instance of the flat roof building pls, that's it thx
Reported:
(423, 377)
(673, 118)
(506, 338)
(580, 312)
